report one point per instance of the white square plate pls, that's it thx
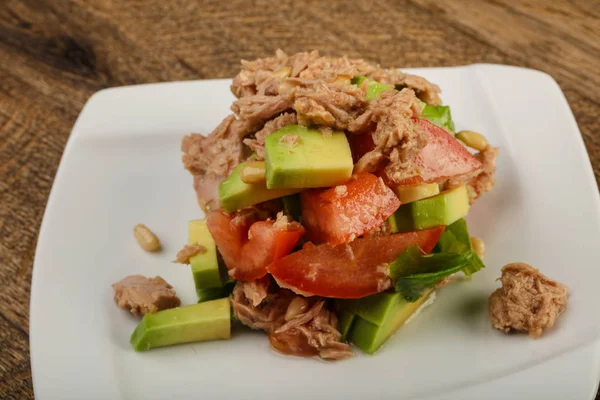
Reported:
(122, 166)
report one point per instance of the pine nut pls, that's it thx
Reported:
(473, 139)
(297, 306)
(478, 246)
(146, 238)
(283, 72)
(253, 172)
(407, 194)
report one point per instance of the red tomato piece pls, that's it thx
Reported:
(443, 157)
(347, 271)
(247, 247)
(360, 144)
(340, 214)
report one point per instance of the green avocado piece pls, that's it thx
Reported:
(444, 209)
(299, 157)
(439, 115)
(371, 308)
(208, 272)
(236, 194)
(390, 312)
(210, 320)
(374, 88)
(345, 320)
(215, 293)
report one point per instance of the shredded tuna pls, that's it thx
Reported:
(257, 144)
(211, 158)
(397, 138)
(256, 291)
(257, 77)
(140, 295)
(256, 110)
(320, 92)
(303, 318)
(482, 180)
(189, 251)
(485, 181)
(313, 332)
(527, 301)
(328, 105)
(285, 223)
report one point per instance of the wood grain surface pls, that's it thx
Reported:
(55, 54)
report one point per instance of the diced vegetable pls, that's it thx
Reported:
(248, 249)
(352, 270)
(360, 144)
(345, 212)
(439, 115)
(443, 157)
(236, 194)
(205, 265)
(345, 321)
(215, 293)
(199, 322)
(443, 209)
(393, 311)
(300, 157)
(374, 88)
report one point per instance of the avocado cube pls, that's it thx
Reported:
(300, 157)
(371, 308)
(215, 292)
(385, 315)
(443, 209)
(207, 271)
(345, 320)
(374, 88)
(199, 322)
(236, 194)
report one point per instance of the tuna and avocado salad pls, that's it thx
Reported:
(334, 201)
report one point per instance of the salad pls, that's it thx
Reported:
(335, 198)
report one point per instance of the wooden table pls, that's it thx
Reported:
(55, 54)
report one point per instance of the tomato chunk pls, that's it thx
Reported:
(347, 271)
(443, 157)
(360, 144)
(247, 247)
(340, 214)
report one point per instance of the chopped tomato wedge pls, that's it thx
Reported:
(348, 271)
(443, 157)
(360, 144)
(340, 214)
(247, 247)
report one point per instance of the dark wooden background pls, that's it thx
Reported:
(55, 53)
